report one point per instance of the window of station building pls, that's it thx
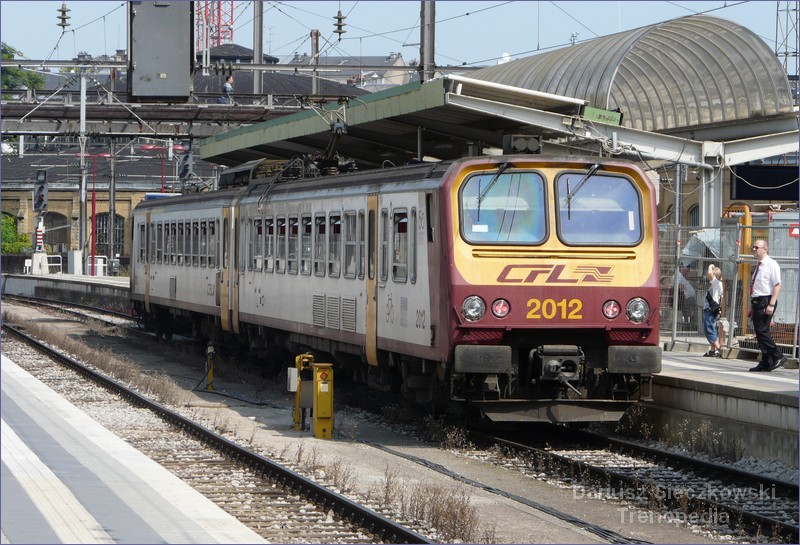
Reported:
(195, 243)
(319, 244)
(694, 216)
(383, 259)
(350, 245)
(399, 246)
(269, 244)
(280, 261)
(361, 253)
(335, 245)
(142, 243)
(294, 242)
(159, 242)
(305, 244)
(203, 243)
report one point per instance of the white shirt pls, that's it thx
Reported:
(767, 277)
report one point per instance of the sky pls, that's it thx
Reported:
(467, 32)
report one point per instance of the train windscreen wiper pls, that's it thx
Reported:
(503, 167)
(570, 194)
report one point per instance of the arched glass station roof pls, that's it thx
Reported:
(695, 70)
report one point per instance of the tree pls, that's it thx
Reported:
(13, 77)
(12, 241)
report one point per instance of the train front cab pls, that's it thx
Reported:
(554, 288)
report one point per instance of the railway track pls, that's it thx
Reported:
(679, 500)
(677, 487)
(276, 502)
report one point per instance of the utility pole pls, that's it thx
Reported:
(82, 196)
(427, 30)
(315, 62)
(258, 44)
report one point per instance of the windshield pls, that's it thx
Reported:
(509, 208)
(600, 209)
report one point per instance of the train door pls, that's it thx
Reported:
(148, 255)
(372, 283)
(222, 287)
(239, 264)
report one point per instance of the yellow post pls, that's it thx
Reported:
(323, 400)
(303, 362)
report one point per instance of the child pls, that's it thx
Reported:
(711, 310)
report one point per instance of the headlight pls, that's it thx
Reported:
(501, 308)
(638, 310)
(611, 309)
(473, 308)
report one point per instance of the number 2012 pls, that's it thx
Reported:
(550, 309)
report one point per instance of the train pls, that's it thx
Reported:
(524, 288)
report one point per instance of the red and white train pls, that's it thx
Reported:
(524, 286)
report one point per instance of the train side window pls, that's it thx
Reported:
(195, 243)
(280, 261)
(159, 241)
(335, 245)
(180, 243)
(203, 243)
(350, 245)
(399, 246)
(173, 246)
(269, 245)
(319, 245)
(257, 239)
(361, 253)
(187, 258)
(142, 243)
(294, 235)
(412, 265)
(371, 245)
(249, 245)
(305, 244)
(212, 243)
(383, 260)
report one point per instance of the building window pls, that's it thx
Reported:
(694, 216)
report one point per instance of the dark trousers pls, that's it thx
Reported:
(761, 320)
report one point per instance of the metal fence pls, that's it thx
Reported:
(685, 254)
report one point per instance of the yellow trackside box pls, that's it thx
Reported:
(323, 400)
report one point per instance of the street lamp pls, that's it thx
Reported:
(94, 157)
(161, 149)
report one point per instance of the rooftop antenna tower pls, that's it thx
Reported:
(786, 41)
(213, 23)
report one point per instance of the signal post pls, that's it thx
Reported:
(39, 263)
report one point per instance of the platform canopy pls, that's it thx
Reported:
(673, 91)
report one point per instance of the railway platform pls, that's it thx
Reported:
(713, 403)
(73, 481)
